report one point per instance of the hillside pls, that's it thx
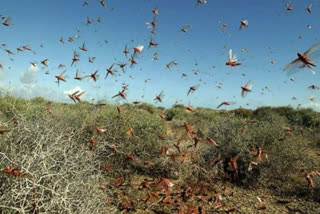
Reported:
(86, 158)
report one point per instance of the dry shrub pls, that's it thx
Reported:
(59, 170)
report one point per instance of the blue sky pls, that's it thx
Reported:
(272, 35)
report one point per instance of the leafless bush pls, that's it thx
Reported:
(59, 173)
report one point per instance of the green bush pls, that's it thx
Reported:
(148, 107)
(237, 138)
(244, 113)
(177, 112)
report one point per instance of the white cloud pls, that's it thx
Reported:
(71, 91)
(30, 76)
(313, 105)
(2, 74)
(30, 91)
(33, 69)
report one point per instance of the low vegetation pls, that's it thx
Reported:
(86, 158)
